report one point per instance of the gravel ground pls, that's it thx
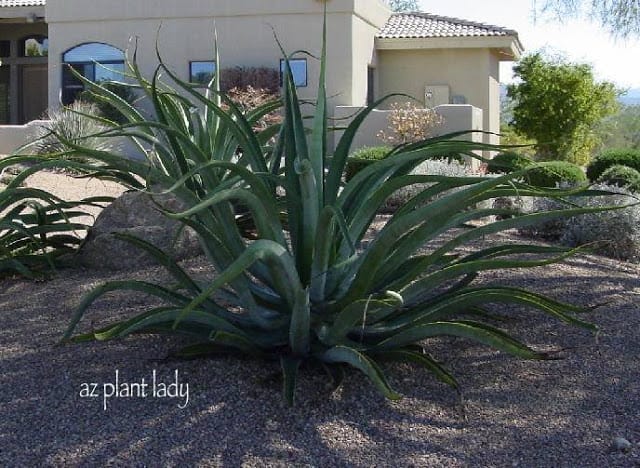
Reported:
(514, 413)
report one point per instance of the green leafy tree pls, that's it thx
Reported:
(558, 104)
(621, 130)
(403, 5)
(620, 17)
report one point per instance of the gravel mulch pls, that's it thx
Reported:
(557, 413)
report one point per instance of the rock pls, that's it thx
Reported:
(620, 444)
(135, 213)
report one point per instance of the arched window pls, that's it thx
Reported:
(34, 46)
(95, 61)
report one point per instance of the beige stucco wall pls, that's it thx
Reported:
(456, 118)
(245, 30)
(12, 137)
(472, 73)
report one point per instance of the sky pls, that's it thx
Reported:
(580, 40)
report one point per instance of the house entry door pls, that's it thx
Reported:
(34, 92)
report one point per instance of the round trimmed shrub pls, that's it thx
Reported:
(508, 162)
(602, 162)
(358, 160)
(614, 233)
(621, 176)
(554, 173)
(442, 167)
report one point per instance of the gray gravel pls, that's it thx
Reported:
(515, 413)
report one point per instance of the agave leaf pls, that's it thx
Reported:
(278, 261)
(264, 213)
(475, 331)
(346, 355)
(341, 153)
(318, 149)
(237, 340)
(325, 249)
(432, 280)
(163, 259)
(363, 312)
(423, 359)
(426, 310)
(290, 368)
(336, 373)
(140, 286)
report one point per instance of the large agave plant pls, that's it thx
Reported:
(302, 281)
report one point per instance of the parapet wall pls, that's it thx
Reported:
(13, 137)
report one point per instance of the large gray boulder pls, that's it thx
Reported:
(135, 213)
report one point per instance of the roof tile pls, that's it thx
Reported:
(426, 25)
(21, 3)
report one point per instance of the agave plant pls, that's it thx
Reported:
(37, 229)
(309, 284)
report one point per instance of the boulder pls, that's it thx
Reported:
(137, 214)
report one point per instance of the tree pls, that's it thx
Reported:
(558, 104)
(620, 17)
(621, 130)
(403, 5)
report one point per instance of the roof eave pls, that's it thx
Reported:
(21, 13)
(509, 47)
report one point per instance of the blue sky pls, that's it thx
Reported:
(579, 40)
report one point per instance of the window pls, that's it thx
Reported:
(4, 95)
(95, 61)
(201, 72)
(5, 48)
(371, 85)
(298, 70)
(34, 46)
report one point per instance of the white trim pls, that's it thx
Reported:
(508, 45)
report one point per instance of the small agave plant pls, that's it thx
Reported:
(37, 229)
(294, 280)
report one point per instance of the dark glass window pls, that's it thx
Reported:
(5, 48)
(371, 85)
(95, 61)
(34, 46)
(298, 69)
(4, 95)
(201, 72)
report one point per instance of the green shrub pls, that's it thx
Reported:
(77, 124)
(614, 233)
(613, 157)
(362, 157)
(437, 167)
(555, 173)
(507, 162)
(621, 176)
(548, 229)
(314, 283)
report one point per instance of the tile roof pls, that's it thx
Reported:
(22, 3)
(426, 25)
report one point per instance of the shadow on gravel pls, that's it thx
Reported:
(546, 413)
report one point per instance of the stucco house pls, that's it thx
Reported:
(372, 51)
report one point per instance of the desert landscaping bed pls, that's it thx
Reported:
(563, 412)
